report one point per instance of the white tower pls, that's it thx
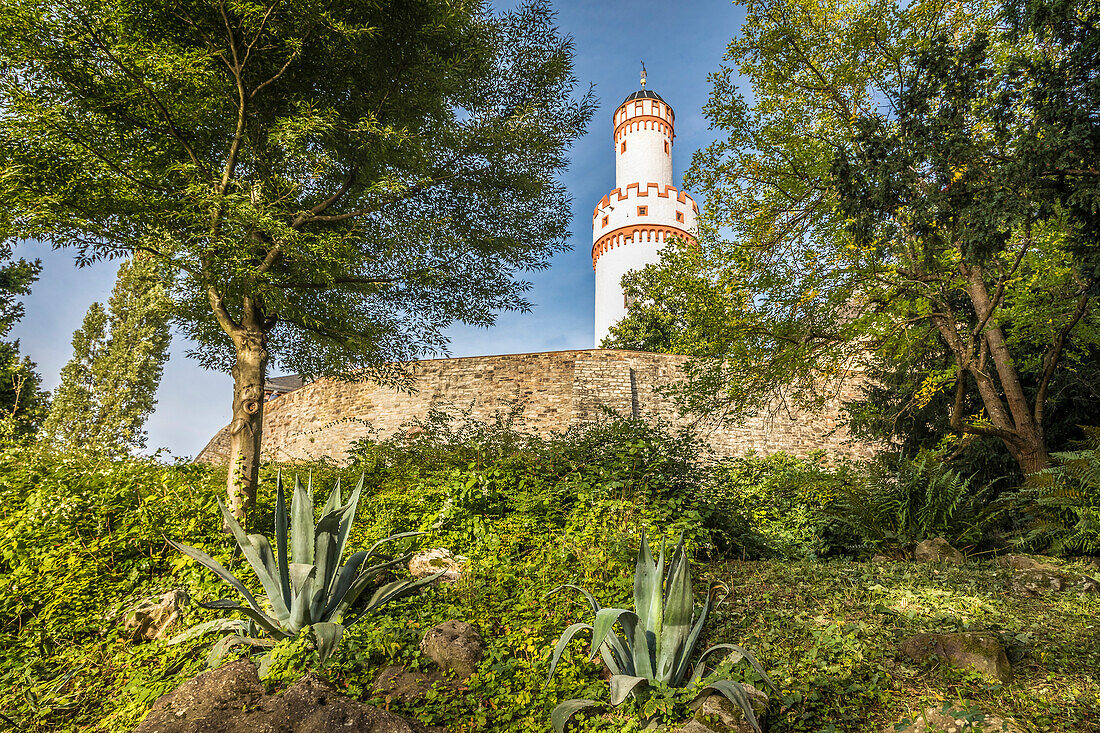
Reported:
(632, 223)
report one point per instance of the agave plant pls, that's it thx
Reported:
(658, 639)
(304, 582)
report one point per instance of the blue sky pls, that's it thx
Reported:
(680, 42)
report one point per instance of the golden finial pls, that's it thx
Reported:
(643, 75)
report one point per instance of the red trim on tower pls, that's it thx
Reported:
(661, 123)
(617, 237)
(682, 196)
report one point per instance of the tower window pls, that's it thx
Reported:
(622, 148)
(666, 147)
(679, 217)
(643, 210)
(605, 220)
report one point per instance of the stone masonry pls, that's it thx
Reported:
(557, 390)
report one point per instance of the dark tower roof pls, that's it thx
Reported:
(643, 94)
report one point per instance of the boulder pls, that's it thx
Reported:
(937, 720)
(455, 646)
(1023, 562)
(231, 699)
(430, 562)
(978, 651)
(1038, 581)
(938, 549)
(151, 618)
(716, 714)
(397, 683)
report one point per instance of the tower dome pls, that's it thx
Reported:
(632, 223)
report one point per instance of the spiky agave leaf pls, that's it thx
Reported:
(742, 654)
(257, 551)
(212, 564)
(735, 693)
(563, 642)
(282, 525)
(561, 715)
(676, 626)
(326, 636)
(615, 652)
(623, 686)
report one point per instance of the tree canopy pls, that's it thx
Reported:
(331, 184)
(897, 179)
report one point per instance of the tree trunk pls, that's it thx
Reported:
(246, 427)
(1032, 458)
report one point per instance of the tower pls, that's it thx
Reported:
(631, 224)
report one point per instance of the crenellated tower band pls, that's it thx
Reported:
(631, 224)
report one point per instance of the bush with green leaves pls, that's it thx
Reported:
(905, 501)
(658, 639)
(1061, 504)
(772, 506)
(305, 584)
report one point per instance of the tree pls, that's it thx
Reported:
(22, 401)
(866, 221)
(329, 183)
(108, 389)
(977, 203)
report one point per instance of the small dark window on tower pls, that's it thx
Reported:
(643, 210)
(622, 148)
(666, 147)
(605, 221)
(679, 216)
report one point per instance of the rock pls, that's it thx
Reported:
(397, 683)
(716, 714)
(454, 646)
(430, 562)
(1049, 579)
(880, 559)
(953, 721)
(151, 618)
(979, 651)
(1023, 562)
(231, 699)
(938, 549)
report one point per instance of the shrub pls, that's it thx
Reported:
(773, 505)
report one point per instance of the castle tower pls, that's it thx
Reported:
(631, 224)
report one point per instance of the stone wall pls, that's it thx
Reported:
(557, 390)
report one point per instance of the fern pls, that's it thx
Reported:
(1062, 503)
(919, 499)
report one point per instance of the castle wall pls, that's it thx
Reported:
(558, 389)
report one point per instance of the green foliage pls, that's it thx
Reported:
(81, 536)
(775, 505)
(658, 640)
(355, 221)
(906, 501)
(307, 587)
(22, 401)
(1061, 505)
(80, 539)
(857, 212)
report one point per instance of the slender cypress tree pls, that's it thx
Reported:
(108, 388)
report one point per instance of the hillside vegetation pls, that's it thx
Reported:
(81, 538)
